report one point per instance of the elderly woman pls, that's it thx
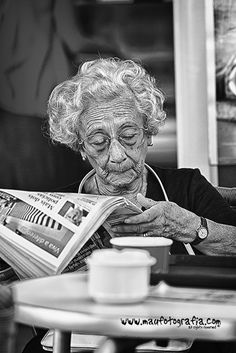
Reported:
(109, 112)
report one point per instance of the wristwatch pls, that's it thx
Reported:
(202, 232)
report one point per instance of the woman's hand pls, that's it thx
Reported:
(161, 218)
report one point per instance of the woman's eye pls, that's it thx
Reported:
(98, 141)
(129, 137)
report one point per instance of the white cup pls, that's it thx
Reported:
(119, 276)
(158, 247)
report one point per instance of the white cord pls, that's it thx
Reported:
(87, 176)
(188, 247)
(158, 179)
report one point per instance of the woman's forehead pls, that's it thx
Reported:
(114, 111)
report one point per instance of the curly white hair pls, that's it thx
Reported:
(102, 80)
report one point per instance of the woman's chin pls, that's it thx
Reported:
(121, 180)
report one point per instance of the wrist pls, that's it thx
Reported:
(202, 232)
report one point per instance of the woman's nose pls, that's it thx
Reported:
(116, 152)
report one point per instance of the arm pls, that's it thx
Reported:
(162, 218)
(220, 241)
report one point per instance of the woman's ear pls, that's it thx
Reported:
(150, 140)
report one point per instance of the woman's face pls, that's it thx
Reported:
(114, 141)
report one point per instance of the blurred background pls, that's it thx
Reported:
(188, 45)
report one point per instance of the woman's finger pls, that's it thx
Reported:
(145, 217)
(126, 229)
(137, 228)
(145, 201)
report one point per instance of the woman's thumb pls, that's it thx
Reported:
(145, 202)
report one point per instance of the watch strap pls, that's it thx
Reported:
(204, 222)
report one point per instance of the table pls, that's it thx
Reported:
(62, 303)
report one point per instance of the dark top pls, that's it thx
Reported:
(190, 190)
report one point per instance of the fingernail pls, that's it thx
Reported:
(127, 220)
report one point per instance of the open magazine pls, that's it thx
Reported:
(45, 233)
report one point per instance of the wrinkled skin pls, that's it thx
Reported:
(160, 218)
(119, 169)
(171, 221)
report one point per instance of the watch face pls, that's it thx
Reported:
(202, 233)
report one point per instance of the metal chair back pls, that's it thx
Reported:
(229, 194)
(7, 324)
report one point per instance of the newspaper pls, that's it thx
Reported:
(45, 233)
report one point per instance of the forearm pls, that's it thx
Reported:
(167, 219)
(220, 241)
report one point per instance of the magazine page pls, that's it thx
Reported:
(60, 205)
(94, 219)
(48, 224)
(25, 264)
(118, 216)
(79, 261)
(35, 233)
(50, 228)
